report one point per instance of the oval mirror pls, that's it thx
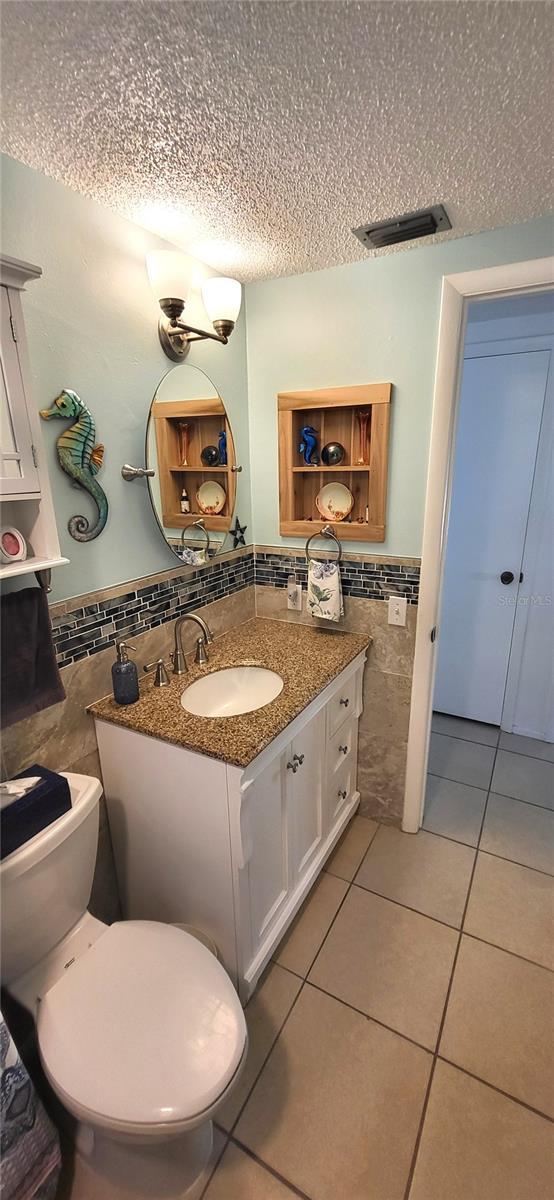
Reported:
(189, 445)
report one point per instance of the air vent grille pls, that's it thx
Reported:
(404, 229)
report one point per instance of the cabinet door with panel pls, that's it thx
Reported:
(265, 879)
(18, 472)
(305, 783)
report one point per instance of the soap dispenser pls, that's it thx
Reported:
(124, 676)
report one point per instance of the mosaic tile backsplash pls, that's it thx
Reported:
(87, 630)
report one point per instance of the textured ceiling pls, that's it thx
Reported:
(258, 134)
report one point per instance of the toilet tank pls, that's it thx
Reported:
(46, 884)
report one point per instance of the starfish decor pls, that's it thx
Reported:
(238, 533)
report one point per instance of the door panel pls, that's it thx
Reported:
(267, 870)
(501, 403)
(306, 795)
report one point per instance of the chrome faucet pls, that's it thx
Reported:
(178, 657)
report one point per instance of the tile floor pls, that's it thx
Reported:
(400, 1044)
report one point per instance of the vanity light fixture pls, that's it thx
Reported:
(168, 271)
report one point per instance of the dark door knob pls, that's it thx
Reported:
(507, 577)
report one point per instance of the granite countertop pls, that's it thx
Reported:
(306, 658)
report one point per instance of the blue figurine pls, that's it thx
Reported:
(308, 446)
(223, 448)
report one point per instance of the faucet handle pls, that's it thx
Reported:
(201, 656)
(162, 677)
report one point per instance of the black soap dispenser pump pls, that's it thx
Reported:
(124, 676)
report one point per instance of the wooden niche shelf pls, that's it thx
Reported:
(333, 413)
(205, 418)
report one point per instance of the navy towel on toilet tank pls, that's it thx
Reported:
(21, 818)
(30, 677)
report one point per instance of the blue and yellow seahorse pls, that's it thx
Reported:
(80, 458)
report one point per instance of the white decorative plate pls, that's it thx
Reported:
(334, 501)
(211, 497)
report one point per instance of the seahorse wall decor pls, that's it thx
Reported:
(80, 458)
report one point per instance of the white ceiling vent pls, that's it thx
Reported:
(422, 223)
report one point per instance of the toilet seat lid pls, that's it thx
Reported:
(146, 1027)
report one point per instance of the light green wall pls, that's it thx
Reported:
(91, 322)
(374, 320)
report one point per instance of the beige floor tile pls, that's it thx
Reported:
(301, 944)
(519, 831)
(349, 851)
(239, 1177)
(265, 1013)
(465, 762)
(425, 872)
(337, 1106)
(478, 1145)
(391, 963)
(524, 778)
(470, 731)
(454, 810)
(499, 1023)
(512, 907)
(525, 745)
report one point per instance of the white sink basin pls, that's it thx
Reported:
(231, 691)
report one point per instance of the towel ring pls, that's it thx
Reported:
(327, 532)
(197, 525)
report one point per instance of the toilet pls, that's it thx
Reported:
(140, 1031)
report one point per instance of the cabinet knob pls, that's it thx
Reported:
(343, 749)
(292, 767)
(342, 793)
(298, 758)
(345, 702)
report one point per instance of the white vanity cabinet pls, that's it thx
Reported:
(233, 851)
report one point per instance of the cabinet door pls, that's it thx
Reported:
(17, 468)
(306, 795)
(266, 875)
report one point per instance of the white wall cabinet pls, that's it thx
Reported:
(233, 851)
(25, 498)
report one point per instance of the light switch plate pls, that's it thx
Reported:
(397, 610)
(294, 594)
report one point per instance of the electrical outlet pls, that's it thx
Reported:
(294, 594)
(397, 610)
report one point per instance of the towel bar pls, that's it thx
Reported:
(197, 525)
(327, 532)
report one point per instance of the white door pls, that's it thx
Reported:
(306, 797)
(501, 403)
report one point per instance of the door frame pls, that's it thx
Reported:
(457, 292)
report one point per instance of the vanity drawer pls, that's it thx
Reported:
(341, 747)
(341, 706)
(340, 788)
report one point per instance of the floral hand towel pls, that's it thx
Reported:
(324, 590)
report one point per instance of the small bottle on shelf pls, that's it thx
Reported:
(185, 502)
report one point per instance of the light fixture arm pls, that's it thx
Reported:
(198, 334)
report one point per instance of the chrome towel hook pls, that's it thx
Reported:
(326, 532)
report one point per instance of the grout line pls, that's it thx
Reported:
(494, 946)
(415, 1155)
(461, 782)
(296, 1191)
(493, 1087)
(217, 1160)
(369, 1017)
(525, 753)
(418, 911)
(529, 803)
(458, 737)
(517, 863)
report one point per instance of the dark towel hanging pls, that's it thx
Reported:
(30, 677)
